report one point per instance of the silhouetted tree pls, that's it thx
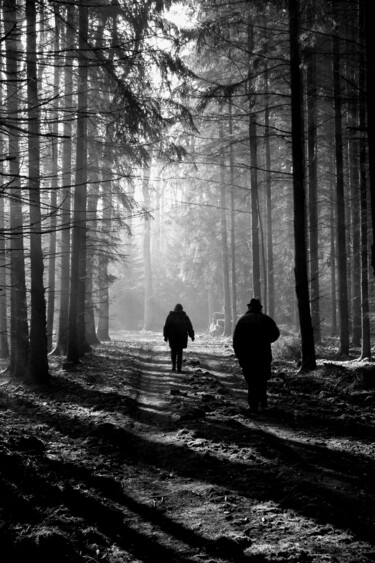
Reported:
(37, 360)
(302, 287)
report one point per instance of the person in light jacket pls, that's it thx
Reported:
(176, 330)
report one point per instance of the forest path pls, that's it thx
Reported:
(297, 456)
(123, 460)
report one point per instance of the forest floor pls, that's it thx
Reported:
(122, 460)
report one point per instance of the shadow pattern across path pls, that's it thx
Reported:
(123, 460)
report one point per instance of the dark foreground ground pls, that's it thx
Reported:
(123, 461)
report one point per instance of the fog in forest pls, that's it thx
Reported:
(184, 152)
(163, 164)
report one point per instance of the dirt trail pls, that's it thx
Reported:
(125, 461)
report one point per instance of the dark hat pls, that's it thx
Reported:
(255, 305)
(178, 307)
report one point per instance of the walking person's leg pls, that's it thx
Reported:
(173, 358)
(179, 360)
(266, 374)
(258, 389)
(251, 387)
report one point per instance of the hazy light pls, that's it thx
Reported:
(181, 15)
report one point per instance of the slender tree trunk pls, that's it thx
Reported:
(365, 304)
(340, 202)
(351, 82)
(269, 223)
(4, 346)
(52, 264)
(148, 289)
(65, 205)
(224, 242)
(254, 205)
(54, 187)
(370, 83)
(92, 209)
(38, 361)
(253, 139)
(298, 157)
(76, 337)
(210, 306)
(312, 158)
(103, 319)
(353, 155)
(332, 224)
(232, 218)
(19, 336)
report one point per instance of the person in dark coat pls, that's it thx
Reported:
(252, 338)
(176, 330)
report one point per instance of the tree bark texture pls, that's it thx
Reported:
(148, 304)
(224, 241)
(368, 6)
(19, 333)
(103, 317)
(268, 184)
(364, 215)
(299, 190)
(38, 360)
(4, 345)
(92, 209)
(54, 190)
(65, 203)
(340, 203)
(232, 218)
(253, 141)
(312, 158)
(76, 336)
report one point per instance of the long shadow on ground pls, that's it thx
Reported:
(281, 470)
(297, 486)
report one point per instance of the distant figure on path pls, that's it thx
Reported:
(252, 339)
(176, 330)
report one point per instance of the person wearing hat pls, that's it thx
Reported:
(176, 330)
(252, 338)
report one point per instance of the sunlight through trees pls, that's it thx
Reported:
(194, 152)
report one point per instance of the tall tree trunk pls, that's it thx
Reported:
(365, 304)
(254, 205)
(148, 289)
(370, 82)
(19, 334)
(92, 210)
(38, 361)
(298, 157)
(76, 337)
(103, 318)
(332, 223)
(65, 205)
(4, 346)
(268, 182)
(232, 218)
(54, 186)
(340, 202)
(224, 241)
(312, 158)
(257, 292)
(351, 82)
(353, 156)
